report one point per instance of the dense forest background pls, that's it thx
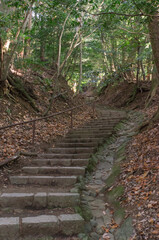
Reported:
(87, 42)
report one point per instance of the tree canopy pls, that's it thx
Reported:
(86, 41)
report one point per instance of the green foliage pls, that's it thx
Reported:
(110, 41)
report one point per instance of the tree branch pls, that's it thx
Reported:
(122, 14)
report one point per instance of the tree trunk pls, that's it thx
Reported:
(105, 60)
(42, 51)
(138, 64)
(154, 38)
(81, 73)
(143, 70)
(28, 47)
(1, 59)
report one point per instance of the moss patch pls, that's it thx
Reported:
(115, 193)
(112, 178)
(121, 150)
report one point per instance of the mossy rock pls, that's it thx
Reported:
(121, 150)
(119, 215)
(126, 230)
(115, 193)
(120, 159)
(92, 163)
(112, 178)
(84, 211)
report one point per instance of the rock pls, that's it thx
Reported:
(88, 227)
(107, 217)
(110, 159)
(115, 193)
(74, 190)
(93, 223)
(119, 215)
(97, 213)
(94, 236)
(126, 230)
(98, 203)
(82, 236)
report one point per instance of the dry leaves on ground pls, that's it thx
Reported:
(140, 176)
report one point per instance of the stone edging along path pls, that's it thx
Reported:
(44, 199)
(97, 200)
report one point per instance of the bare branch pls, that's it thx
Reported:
(133, 32)
(122, 14)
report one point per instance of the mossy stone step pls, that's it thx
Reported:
(71, 150)
(59, 162)
(38, 200)
(64, 155)
(77, 145)
(76, 171)
(44, 180)
(41, 225)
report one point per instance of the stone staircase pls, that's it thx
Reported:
(38, 203)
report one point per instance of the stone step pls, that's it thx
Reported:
(38, 200)
(72, 150)
(98, 126)
(76, 145)
(89, 135)
(12, 228)
(83, 140)
(63, 162)
(65, 155)
(75, 171)
(44, 180)
(103, 124)
(90, 131)
(108, 118)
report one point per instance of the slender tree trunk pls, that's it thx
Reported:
(28, 42)
(138, 64)
(81, 49)
(154, 38)
(143, 70)
(9, 58)
(123, 56)
(42, 51)
(2, 81)
(105, 60)
(114, 53)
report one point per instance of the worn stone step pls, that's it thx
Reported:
(38, 200)
(63, 162)
(76, 145)
(90, 131)
(93, 129)
(85, 139)
(103, 124)
(98, 126)
(72, 150)
(89, 135)
(65, 155)
(75, 171)
(44, 180)
(13, 228)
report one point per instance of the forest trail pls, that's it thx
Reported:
(40, 200)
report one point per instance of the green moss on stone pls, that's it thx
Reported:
(115, 173)
(115, 193)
